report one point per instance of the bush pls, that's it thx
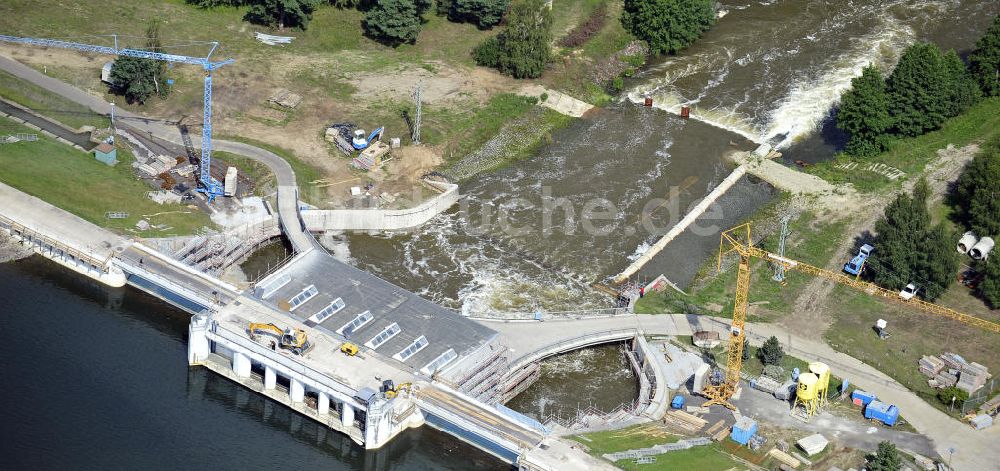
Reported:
(771, 352)
(989, 288)
(488, 52)
(482, 13)
(945, 394)
(280, 13)
(885, 459)
(522, 49)
(588, 29)
(393, 22)
(668, 25)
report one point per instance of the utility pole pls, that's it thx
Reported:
(779, 271)
(416, 119)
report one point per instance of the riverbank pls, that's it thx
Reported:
(826, 236)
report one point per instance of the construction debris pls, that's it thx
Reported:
(372, 157)
(285, 98)
(683, 444)
(340, 135)
(982, 421)
(19, 137)
(157, 165)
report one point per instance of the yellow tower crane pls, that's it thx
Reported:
(738, 240)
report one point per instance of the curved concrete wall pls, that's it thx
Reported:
(319, 220)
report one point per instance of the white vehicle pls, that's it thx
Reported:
(908, 292)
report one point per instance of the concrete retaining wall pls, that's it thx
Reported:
(319, 220)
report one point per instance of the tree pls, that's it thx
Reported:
(945, 395)
(864, 113)
(522, 48)
(770, 353)
(989, 288)
(885, 459)
(139, 78)
(909, 250)
(900, 233)
(919, 89)
(484, 13)
(395, 22)
(280, 13)
(984, 61)
(746, 349)
(668, 26)
(977, 192)
(964, 90)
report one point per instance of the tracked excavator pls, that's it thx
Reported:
(294, 340)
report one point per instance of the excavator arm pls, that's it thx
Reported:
(256, 327)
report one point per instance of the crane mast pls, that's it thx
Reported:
(206, 184)
(738, 240)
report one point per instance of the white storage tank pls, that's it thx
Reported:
(966, 242)
(981, 251)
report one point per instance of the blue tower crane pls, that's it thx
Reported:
(206, 184)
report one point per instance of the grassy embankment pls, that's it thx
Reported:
(851, 313)
(710, 457)
(74, 181)
(326, 64)
(53, 106)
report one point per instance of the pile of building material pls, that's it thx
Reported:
(157, 165)
(981, 421)
(684, 422)
(163, 197)
(285, 98)
(813, 444)
(950, 369)
(272, 40)
(784, 458)
(765, 384)
(372, 157)
(340, 135)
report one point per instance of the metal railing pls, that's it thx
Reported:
(552, 315)
(572, 344)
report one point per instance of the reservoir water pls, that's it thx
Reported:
(96, 378)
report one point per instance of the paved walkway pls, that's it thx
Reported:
(558, 101)
(976, 450)
(287, 187)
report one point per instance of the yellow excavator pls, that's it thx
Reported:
(291, 339)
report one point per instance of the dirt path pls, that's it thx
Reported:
(811, 315)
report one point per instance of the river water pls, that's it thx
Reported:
(96, 378)
(769, 71)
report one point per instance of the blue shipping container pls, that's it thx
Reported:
(864, 397)
(885, 413)
(743, 430)
(678, 402)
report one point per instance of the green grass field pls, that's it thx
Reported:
(48, 104)
(980, 123)
(74, 181)
(709, 458)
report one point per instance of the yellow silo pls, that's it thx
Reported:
(807, 395)
(822, 371)
(808, 383)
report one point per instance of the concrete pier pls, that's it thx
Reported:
(688, 219)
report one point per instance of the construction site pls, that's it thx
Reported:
(304, 208)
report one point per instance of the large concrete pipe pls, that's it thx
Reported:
(982, 249)
(966, 242)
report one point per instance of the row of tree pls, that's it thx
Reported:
(392, 22)
(927, 87)
(909, 249)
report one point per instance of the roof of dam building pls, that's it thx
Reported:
(378, 316)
